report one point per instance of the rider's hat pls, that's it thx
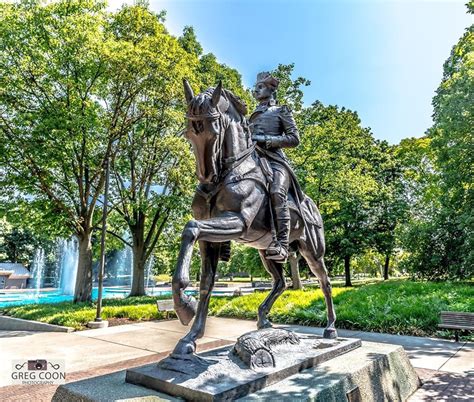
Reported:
(268, 79)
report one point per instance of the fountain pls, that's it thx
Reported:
(38, 266)
(68, 256)
(149, 265)
(121, 265)
(63, 277)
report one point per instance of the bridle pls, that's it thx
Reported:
(224, 165)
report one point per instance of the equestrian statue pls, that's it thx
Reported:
(247, 193)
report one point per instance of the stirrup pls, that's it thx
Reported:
(276, 252)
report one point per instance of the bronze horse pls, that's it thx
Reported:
(232, 203)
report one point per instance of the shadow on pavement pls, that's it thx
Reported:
(15, 334)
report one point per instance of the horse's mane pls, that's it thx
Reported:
(201, 104)
(238, 103)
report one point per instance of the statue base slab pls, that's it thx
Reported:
(222, 374)
(373, 372)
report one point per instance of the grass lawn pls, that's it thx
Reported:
(396, 307)
(78, 315)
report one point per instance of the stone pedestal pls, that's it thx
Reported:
(372, 372)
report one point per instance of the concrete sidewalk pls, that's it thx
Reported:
(425, 353)
(101, 351)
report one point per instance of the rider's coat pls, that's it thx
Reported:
(277, 124)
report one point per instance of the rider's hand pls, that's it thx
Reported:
(259, 138)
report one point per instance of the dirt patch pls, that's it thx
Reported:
(113, 322)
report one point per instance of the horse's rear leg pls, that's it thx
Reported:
(210, 258)
(317, 266)
(276, 271)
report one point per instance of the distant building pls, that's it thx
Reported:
(13, 275)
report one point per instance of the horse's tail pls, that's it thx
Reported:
(225, 251)
(313, 226)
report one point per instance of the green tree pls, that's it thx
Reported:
(389, 205)
(189, 42)
(208, 72)
(452, 141)
(420, 183)
(60, 112)
(243, 259)
(152, 173)
(16, 244)
(438, 171)
(77, 85)
(154, 170)
(289, 91)
(334, 163)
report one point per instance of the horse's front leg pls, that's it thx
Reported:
(210, 258)
(219, 229)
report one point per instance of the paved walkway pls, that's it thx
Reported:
(446, 367)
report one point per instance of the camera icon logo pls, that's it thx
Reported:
(37, 365)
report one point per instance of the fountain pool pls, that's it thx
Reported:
(32, 296)
(62, 287)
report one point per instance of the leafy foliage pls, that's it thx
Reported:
(439, 170)
(289, 90)
(337, 164)
(452, 141)
(16, 244)
(60, 112)
(152, 172)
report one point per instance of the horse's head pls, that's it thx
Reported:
(205, 130)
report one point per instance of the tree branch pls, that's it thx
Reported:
(120, 238)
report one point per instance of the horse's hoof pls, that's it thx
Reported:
(187, 310)
(184, 348)
(330, 333)
(264, 324)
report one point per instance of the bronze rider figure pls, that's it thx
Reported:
(273, 128)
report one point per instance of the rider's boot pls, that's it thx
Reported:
(278, 249)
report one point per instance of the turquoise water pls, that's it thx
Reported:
(54, 296)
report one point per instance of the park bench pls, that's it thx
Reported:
(457, 321)
(166, 306)
(260, 284)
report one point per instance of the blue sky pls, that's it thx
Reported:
(381, 58)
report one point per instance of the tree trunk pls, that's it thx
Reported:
(83, 288)
(139, 260)
(138, 272)
(386, 266)
(347, 269)
(295, 273)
